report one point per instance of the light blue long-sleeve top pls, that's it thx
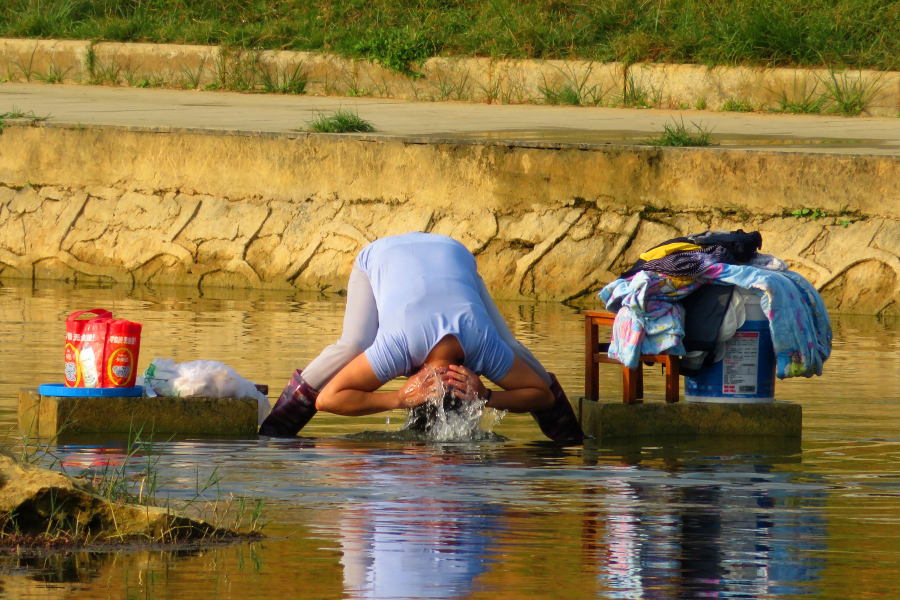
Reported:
(426, 287)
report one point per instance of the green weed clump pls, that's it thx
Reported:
(400, 33)
(803, 102)
(851, 96)
(564, 94)
(678, 134)
(809, 213)
(846, 93)
(340, 121)
(573, 90)
(399, 49)
(18, 113)
(290, 80)
(637, 94)
(732, 105)
(54, 74)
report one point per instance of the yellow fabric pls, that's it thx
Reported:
(681, 282)
(669, 249)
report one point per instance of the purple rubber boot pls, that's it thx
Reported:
(295, 407)
(559, 422)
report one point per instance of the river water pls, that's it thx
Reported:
(354, 515)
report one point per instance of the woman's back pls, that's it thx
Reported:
(426, 286)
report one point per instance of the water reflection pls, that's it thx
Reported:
(414, 545)
(715, 540)
(406, 549)
(451, 520)
(713, 546)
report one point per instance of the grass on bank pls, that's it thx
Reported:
(402, 33)
(732, 105)
(803, 101)
(18, 113)
(851, 96)
(844, 94)
(131, 477)
(340, 121)
(677, 133)
(574, 89)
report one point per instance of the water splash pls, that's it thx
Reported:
(445, 418)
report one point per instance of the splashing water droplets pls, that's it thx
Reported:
(445, 418)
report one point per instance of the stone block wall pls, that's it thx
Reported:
(545, 253)
(148, 208)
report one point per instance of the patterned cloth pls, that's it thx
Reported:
(688, 264)
(649, 318)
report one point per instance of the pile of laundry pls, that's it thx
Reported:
(679, 299)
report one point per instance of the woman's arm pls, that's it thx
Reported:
(506, 333)
(352, 391)
(523, 389)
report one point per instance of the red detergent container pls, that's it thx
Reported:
(75, 324)
(123, 345)
(101, 352)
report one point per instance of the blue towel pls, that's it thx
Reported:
(798, 320)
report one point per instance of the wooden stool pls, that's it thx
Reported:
(632, 381)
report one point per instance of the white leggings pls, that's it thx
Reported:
(361, 326)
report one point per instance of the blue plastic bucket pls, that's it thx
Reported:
(747, 373)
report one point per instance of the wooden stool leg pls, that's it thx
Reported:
(591, 368)
(672, 365)
(640, 381)
(630, 383)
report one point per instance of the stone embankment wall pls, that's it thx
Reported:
(546, 221)
(445, 78)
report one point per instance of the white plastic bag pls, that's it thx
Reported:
(200, 379)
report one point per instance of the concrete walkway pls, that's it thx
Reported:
(90, 105)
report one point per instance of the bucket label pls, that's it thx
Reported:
(740, 364)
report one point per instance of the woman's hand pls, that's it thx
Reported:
(421, 386)
(465, 383)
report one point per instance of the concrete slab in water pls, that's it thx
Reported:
(616, 420)
(50, 416)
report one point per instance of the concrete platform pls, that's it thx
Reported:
(609, 420)
(450, 122)
(51, 416)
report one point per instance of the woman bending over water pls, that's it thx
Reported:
(417, 306)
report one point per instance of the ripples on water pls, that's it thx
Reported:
(360, 509)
